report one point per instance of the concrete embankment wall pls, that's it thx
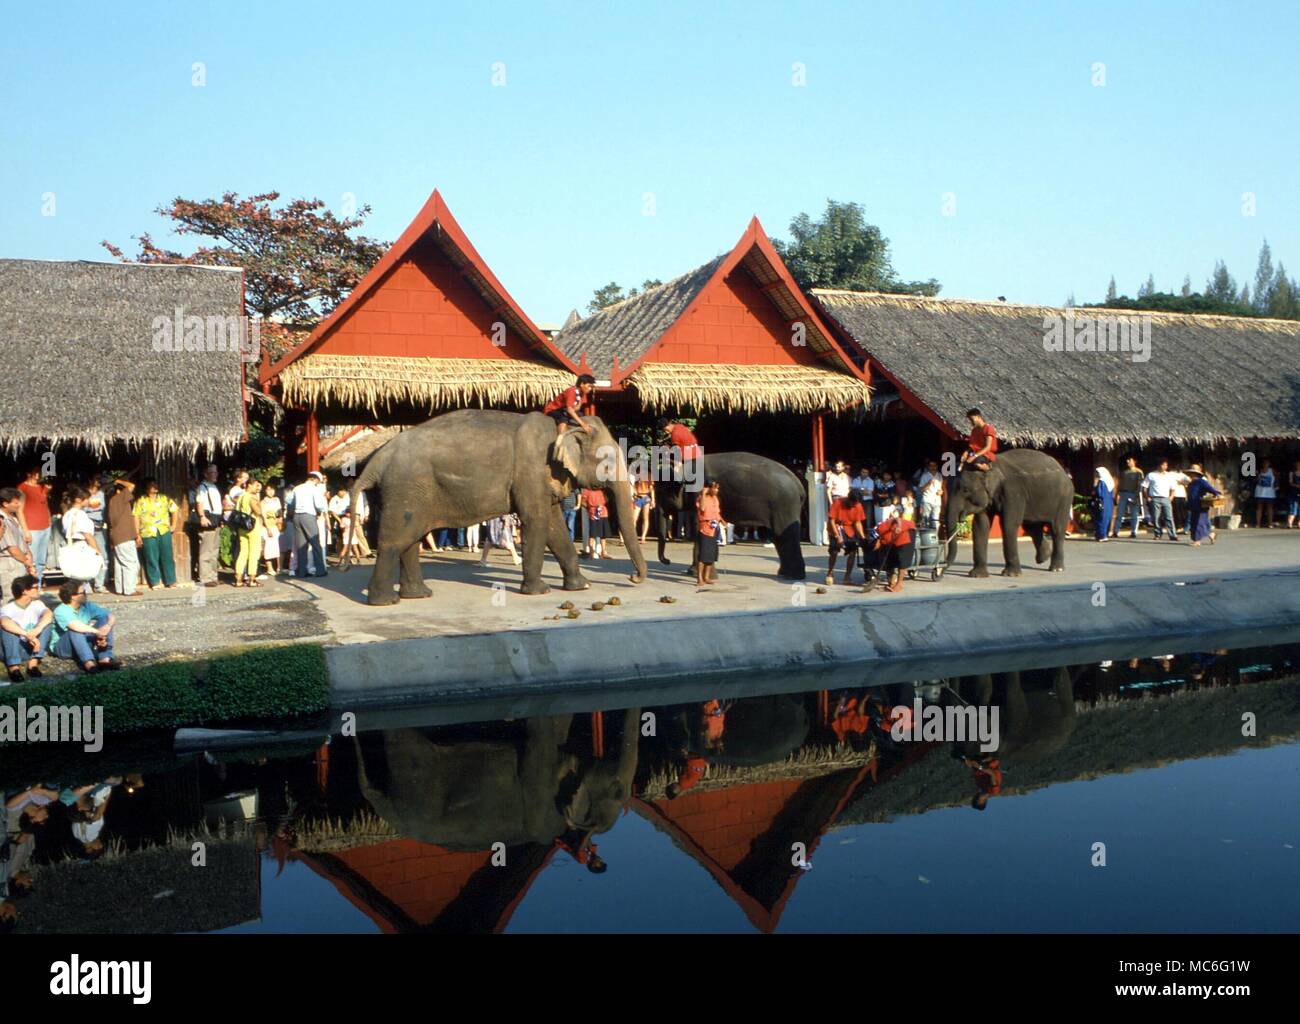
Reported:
(873, 630)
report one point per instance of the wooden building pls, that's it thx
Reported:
(428, 329)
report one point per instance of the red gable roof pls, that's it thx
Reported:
(434, 221)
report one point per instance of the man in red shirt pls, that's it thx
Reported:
(34, 517)
(685, 448)
(845, 526)
(982, 445)
(896, 540)
(569, 405)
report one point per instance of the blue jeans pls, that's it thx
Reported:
(40, 552)
(18, 653)
(80, 647)
(1128, 500)
(570, 520)
(101, 542)
(1162, 512)
(443, 537)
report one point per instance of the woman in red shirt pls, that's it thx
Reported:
(897, 544)
(708, 509)
(34, 517)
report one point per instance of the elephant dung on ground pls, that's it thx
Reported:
(755, 492)
(468, 466)
(1023, 488)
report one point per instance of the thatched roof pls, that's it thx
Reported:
(747, 389)
(626, 330)
(620, 343)
(378, 383)
(1209, 379)
(87, 362)
(310, 378)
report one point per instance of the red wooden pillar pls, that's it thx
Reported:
(824, 707)
(598, 733)
(313, 442)
(818, 443)
(322, 760)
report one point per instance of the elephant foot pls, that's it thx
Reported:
(792, 576)
(1058, 568)
(535, 587)
(1041, 559)
(577, 583)
(415, 591)
(979, 572)
(379, 599)
(636, 579)
(1010, 570)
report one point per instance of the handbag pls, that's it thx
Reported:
(242, 522)
(80, 560)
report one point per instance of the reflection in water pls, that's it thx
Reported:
(449, 828)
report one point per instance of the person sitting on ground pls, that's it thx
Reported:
(25, 629)
(982, 445)
(83, 631)
(567, 407)
(708, 509)
(593, 500)
(846, 531)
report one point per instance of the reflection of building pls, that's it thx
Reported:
(408, 886)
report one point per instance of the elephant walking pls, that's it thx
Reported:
(755, 492)
(468, 466)
(1024, 488)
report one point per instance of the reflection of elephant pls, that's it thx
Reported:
(755, 492)
(1035, 711)
(1024, 488)
(759, 730)
(468, 466)
(468, 795)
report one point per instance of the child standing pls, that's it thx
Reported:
(708, 510)
(597, 522)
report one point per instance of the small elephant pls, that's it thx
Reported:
(1024, 488)
(755, 492)
(471, 465)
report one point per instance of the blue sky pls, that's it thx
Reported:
(1058, 183)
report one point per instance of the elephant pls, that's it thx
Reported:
(467, 466)
(755, 492)
(1036, 713)
(1022, 487)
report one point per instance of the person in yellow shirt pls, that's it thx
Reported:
(155, 516)
(249, 503)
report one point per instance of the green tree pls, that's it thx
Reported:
(1149, 288)
(1187, 286)
(1111, 293)
(1264, 277)
(613, 292)
(1221, 287)
(1282, 297)
(842, 250)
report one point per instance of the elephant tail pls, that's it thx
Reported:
(372, 474)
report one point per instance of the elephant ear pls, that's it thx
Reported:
(567, 453)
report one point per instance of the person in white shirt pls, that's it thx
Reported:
(233, 495)
(1159, 488)
(931, 490)
(837, 483)
(25, 629)
(208, 511)
(308, 501)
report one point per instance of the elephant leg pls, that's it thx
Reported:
(533, 531)
(380, 590)
(412, 580)
(980, 544)
(561, 546)
(790, 553)
(1058, 528)
(1012, 518)
(1042, 547)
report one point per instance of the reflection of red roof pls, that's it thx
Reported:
(743, 834)
(431, 295)
(404, 885)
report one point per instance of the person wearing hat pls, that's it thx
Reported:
(308, 502)
(1197, 492)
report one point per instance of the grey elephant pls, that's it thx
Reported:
(468, 466)
(755, 492)
(1023, 488)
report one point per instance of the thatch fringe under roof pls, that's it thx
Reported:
(1207, 380)
(747, 389)
(378, 383)
(96, 360)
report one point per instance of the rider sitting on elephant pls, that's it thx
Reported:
(685, 448)
(571, 403)
(982, 445)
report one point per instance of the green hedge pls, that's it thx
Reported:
(267, 682)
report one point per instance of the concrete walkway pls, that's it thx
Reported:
(471, 600)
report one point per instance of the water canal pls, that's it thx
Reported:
(1138, 794)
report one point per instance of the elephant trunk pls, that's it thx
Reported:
(951, 519)
(621, 491)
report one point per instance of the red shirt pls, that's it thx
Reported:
(595, 502)
(714, 720)
(709, 511)
(36, 509)
(988, 777)
(692, 773)
(684, 441)
(980, 436)
(845, 515)
(566, 399)
(897, 532)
